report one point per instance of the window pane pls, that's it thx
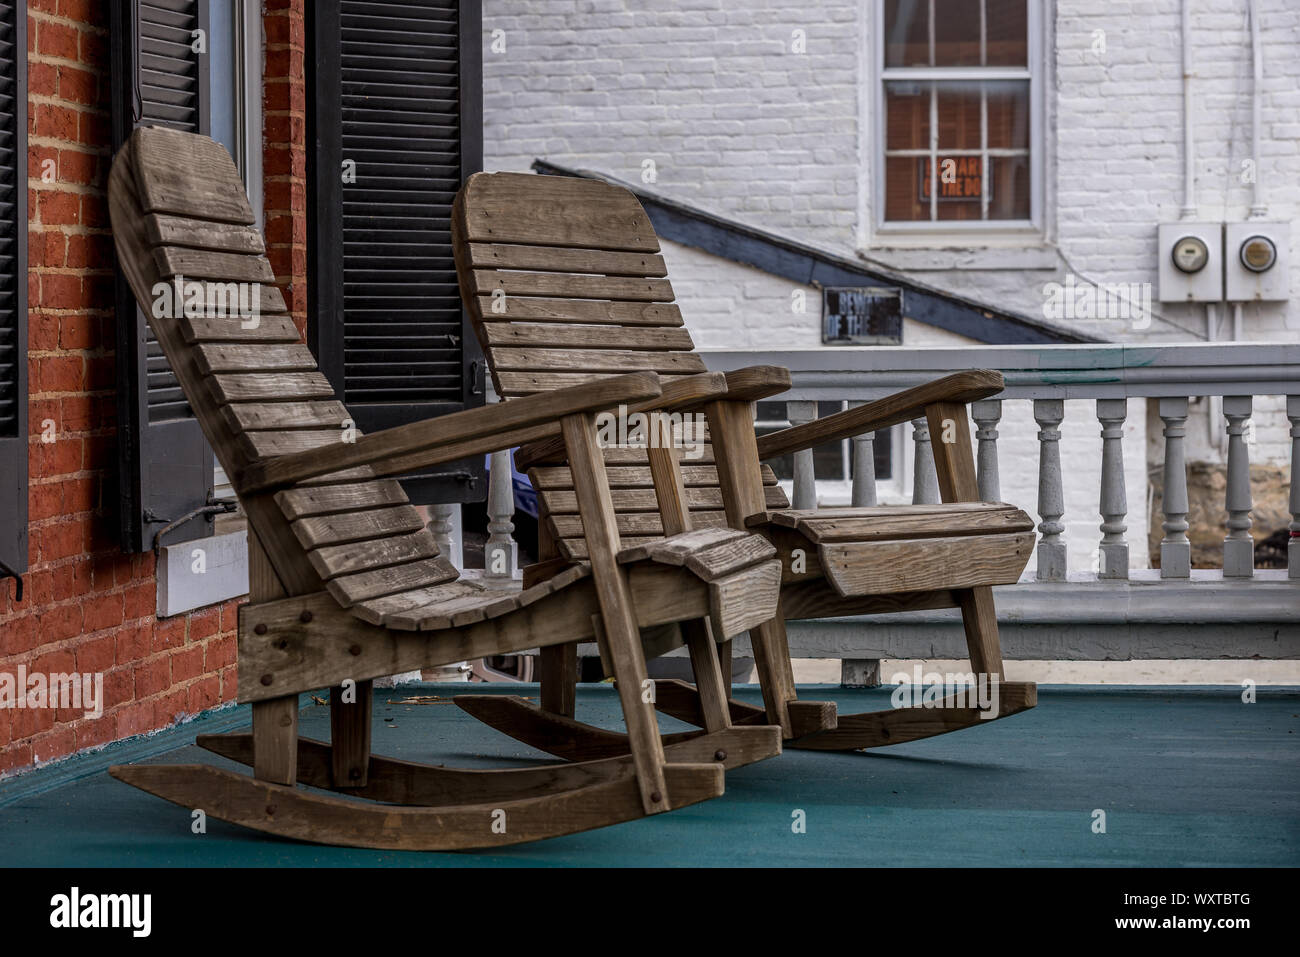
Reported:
(959, 116)
(907, 116)
(1009, 187)
(959, 195)
(907, 33)
(1008, 115)
(1008, 33)
(906, 197)
(956, 33)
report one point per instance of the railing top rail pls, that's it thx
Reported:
(1087, 371)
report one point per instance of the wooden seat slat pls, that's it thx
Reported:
(376, 583)
(318, 530)
(298, 503)
(332, 561)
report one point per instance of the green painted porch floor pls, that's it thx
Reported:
(1185, 777)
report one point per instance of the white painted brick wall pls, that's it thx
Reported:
(737, 123)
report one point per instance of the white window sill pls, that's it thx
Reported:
(939, 254)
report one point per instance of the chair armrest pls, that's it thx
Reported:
(449, 437)
(680, 395)
(757, 382)
(960, 387)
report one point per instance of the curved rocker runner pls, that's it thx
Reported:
(347, 585)
(565, 284)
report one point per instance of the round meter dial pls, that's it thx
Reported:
(1258, 254)
(1190, 254)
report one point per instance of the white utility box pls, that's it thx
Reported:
(1190, 262)
(1255, 262)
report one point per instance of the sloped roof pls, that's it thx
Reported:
(799, 262)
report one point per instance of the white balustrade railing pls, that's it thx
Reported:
(1048, 377)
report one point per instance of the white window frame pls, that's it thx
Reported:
(970, 230)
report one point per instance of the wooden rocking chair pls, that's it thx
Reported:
(347, 585)
(565, 285)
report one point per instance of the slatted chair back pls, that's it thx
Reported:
(191, 252)
(565, 284)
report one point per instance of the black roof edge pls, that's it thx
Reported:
(798, 262)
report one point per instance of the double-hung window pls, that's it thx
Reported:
(958, 126)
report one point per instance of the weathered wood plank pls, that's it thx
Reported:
(376, 610)
(586, 336)
(260, 445)
(675, 550)
(262, 357)
(200, 234)
(560, 259)
(876, 523)
(335, 560)
(882, 567)
(577, 310)
(552, 210)
(277, 416)
(722, 559)
(350, 589)
(187, 175)
(335, 529)
(745, 599)
(265, 327)
(596, 360)
(298, 503)
(212, 264)
(558, 478)
(553, 285)
(635, 523)
(270, 386)
(643, 500)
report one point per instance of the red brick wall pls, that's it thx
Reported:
(284, 152)
(89, 607)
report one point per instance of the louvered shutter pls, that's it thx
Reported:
(165, 465)
(397, 107)
(13, 286)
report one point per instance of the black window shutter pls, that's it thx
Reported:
(13, 287)
(397, 90)
(165, 467)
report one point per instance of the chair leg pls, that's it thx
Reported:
(275, 740)
(557, 667)
(981, 623)
(350, 734)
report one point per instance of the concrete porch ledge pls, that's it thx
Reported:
(1087, 620)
